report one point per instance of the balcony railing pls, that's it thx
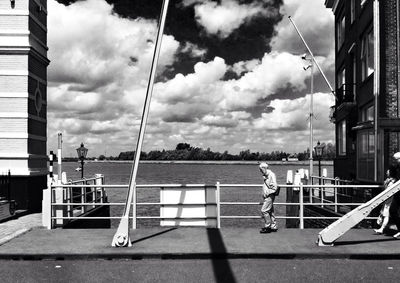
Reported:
(345, 93)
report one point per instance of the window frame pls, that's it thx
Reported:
(340, 31)
(342, 137)
(367, 54)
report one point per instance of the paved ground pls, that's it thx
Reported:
(22, 239)
(15, 227)
(206, 270)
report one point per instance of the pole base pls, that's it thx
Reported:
(121, 237)
(321, 243)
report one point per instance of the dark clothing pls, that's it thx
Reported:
(394, 172)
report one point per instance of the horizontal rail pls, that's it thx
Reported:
(157, 186)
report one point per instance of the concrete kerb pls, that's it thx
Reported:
(196, 243)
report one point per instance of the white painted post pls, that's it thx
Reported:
(99, 181)
(83, 197)
(46, 204)
(218, 206)
(134, 211)
(301, 212)
(59, 198)
(59, 155)
(322, 193)
(335, 194)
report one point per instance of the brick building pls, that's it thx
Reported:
(367, 73)
(23, 84)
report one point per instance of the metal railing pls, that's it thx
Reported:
(305, 196)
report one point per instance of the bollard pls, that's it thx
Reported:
(98, 190)
(289, 177)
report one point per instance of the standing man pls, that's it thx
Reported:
(269, 189)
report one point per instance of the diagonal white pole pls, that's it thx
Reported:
(312, 56)
(121, 237)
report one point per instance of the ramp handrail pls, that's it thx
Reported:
(331, 233)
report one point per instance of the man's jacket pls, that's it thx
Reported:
(270, 186)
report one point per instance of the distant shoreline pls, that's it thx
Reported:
(216, 162)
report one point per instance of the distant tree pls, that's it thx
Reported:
(102, 157)
(183, 146)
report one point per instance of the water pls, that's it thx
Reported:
(176, 173)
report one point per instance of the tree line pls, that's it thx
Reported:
(184, 151)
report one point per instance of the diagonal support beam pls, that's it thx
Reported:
(331, 233)
(121, 237)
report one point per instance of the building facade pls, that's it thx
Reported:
(23, 86)
(367, 71)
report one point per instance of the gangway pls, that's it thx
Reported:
(330, 234)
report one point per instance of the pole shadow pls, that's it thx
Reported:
(221, 267)
(152, 236)
(346, 243)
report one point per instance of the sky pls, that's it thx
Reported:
(229, 77)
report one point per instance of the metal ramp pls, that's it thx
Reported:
(330, 234)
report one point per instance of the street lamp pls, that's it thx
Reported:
(82, 152)
(319, 150)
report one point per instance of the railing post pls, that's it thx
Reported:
(336, 197)
(218, 205)
(322, 190)
(134, 206)
(59, 198)
(83, 197)
(301, 200)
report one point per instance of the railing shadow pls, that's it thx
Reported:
(221, 267)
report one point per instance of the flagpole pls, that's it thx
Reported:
(121, 237)
(312, 56)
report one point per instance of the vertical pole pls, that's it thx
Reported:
(134, 208)
(376, 84)
(301, 206)
(59, 156)
(82, 162)
(51, 160)
(336, 199)
(121, 237)
(218, 206)
(311, 118)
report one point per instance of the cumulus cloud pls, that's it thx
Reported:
(101, 62)
(223, 18)
(98, 61)
(315, 23)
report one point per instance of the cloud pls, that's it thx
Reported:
(98, 61)
(100, 67)
(314, 21)
(223, 18)
(292, 115)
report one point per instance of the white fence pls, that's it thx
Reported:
(183, 209)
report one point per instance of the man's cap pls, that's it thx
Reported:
(264, 165)
(396, 155)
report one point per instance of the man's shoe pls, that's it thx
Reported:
(265, 230)
(397, 236)
(274, 230)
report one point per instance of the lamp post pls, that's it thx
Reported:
(319, 150)
(82, 152)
